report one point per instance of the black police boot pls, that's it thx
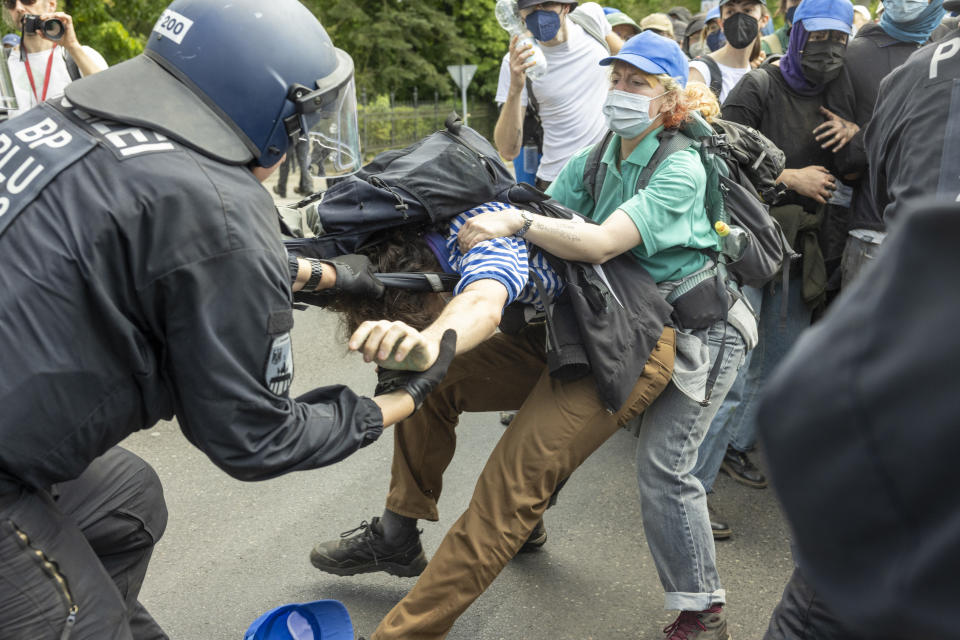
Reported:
(721, 530)
(740, 467)
(538, 538)
(365, 550)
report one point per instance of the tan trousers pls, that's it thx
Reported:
(559, 424)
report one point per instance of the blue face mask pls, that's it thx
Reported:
(716, 40)
(544, 25)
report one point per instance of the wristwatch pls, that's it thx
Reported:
(316, 272)
(527, 221)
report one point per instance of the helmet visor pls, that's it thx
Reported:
(328, 125)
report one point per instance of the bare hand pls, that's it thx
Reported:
(835, 132)
(394, 345)
(486, 226)
(69, 39)
(813, 182)
(756, 62)
(521, 59)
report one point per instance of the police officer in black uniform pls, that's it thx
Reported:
(913, 138)
(870, 393)
(142, 277)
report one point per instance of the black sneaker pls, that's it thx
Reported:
(538, 538)
(364, 550)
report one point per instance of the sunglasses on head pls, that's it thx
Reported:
(11, 4)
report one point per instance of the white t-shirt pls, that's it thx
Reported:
(59, 76)
(571, 93)
(730, 76)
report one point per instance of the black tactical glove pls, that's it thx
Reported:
(355, 276)
(419, 383)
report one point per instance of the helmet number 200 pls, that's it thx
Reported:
(173, 25)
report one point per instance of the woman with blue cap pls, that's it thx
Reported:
(783, 100)
(666, 229)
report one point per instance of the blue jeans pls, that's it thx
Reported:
(735, 422)
(673, 501)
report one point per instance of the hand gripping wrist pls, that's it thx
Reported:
(419, 384)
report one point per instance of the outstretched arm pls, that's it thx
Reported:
(568, 239)
(474, 314)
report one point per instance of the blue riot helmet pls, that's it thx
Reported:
(200, 82)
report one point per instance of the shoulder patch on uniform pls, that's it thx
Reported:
(278, 372)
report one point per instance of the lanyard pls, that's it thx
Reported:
(46, 78)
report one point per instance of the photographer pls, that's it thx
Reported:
(49, 56)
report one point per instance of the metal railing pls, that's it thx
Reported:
(387, 123)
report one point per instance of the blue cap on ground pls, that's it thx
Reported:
(825, 15)
(609, 10)
(713, 14)
(654, 54)
(320, 620)
(11, 39)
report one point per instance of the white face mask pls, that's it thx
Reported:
(904, 11)
(628, 114)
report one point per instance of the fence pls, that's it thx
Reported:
(386, 123)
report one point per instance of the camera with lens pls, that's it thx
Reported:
(52, 28)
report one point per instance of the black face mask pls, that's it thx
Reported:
(822, 61)
(741, 30)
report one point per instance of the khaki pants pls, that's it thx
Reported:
(559, 424)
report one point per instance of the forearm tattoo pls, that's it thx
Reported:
(557, 228)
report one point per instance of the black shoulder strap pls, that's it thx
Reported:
(763, 79)
(72, 67)
(671, 141)
(594, 171)
(716, 76)
(532, 99)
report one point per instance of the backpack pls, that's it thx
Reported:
(426, 183)
(733, 155)
(716, 76)
(532, 125)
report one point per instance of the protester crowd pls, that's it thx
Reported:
(167, 292)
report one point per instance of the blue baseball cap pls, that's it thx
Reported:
(654, 54)
(825, 15)
(713, 14)
(609, 10)
(11, 39)
(320, 620)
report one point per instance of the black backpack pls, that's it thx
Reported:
(732, 154)
(429, 182)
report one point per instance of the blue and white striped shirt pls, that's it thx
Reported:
(506, 260)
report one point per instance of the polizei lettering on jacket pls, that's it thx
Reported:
(34, 148)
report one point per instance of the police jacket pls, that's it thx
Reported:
(913, 139)
(869, 58)
(141, 280)
(870, 394)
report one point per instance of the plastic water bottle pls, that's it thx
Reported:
(733, 240)
(509, 18)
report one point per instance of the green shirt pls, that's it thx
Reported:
(669, 213)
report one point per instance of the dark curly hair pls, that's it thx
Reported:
(396, 251)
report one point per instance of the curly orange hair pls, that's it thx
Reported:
(695, 97)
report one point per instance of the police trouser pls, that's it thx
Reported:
(558, 425)
(72, 560)
(802, 615)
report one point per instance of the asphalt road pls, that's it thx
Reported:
(232, 550)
